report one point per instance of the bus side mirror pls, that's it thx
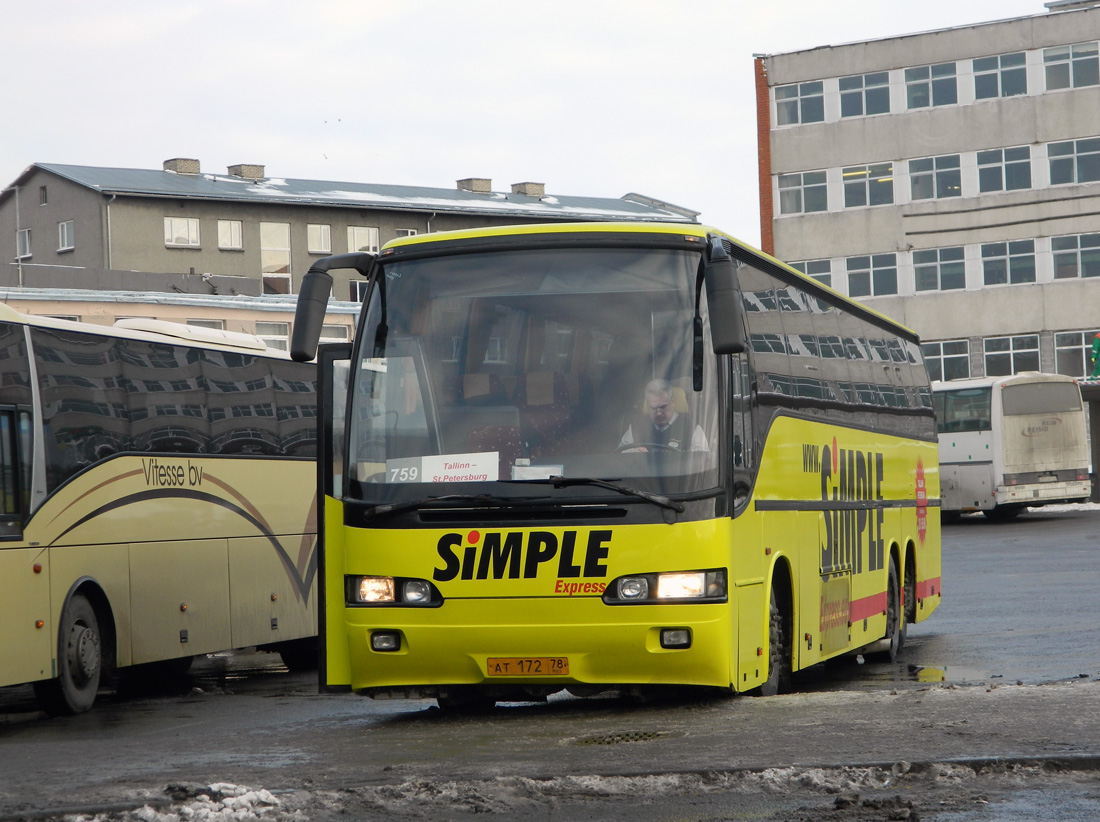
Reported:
(309, 314)
(727, 326)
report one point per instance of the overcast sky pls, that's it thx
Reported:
(591, 97)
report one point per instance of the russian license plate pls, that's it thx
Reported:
(527, 666)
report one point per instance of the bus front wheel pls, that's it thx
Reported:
(79, 662)
(779, 651)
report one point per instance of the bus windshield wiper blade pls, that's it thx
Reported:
(656, 499)
(475, 499)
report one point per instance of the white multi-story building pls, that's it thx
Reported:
(951, 180)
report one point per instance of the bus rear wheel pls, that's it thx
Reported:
(779, 651)
(79, 662)
(896, 627)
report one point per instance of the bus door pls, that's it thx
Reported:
(26, 629)
(336, 466)
(748, 570)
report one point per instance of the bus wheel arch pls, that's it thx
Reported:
(85, 652)
(780, 633)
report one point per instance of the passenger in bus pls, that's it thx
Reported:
(664, 422)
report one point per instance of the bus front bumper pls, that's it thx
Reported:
(546, 644)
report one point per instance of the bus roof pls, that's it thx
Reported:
(691, 232)
(151, 331)
(1023, 378)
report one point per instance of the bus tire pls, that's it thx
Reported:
(465, 700)
(910, 588)
(1003, 513)
(79, 662)
(779, 652)
(896, 628)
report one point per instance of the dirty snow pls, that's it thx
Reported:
(938, 785)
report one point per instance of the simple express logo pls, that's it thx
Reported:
(853, 477)
(521, 555)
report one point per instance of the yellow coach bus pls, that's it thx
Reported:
(156, 501)
(612, 456)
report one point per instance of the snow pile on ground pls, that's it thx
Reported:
(220, 802)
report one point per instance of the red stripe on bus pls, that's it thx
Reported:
(928, 588)
(867, 607)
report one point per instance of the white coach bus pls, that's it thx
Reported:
(1009, 443)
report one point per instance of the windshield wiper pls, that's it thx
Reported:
(486, 500)
(656, 499)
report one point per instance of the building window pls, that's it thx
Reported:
(275, 257)
(927, 86)
(23, 243)
(874, 275)
(334, 333)
(181, 231)
(939, 269)
(869, 185)
(362, 238)
(318, 239)
(865, 94)
(803, 192)
(1073, 352)
(405, 232)
(1072, 66)
(1009, 263)
(1004, 169)
(43, 197)
(800, 103)
(358, 291)
(1011, 355)
(1076, 256)
(1074, 161)
(229, 235)
(820, 270)
(948, 360)
(934, 178)
(66, 236)
(276, 335)
(217, 325)
(1002, 76)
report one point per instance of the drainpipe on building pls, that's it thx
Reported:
(18, 256)
(109, 230)
(430, 218)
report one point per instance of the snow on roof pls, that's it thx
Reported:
(155, 183)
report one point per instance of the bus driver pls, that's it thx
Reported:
(662, 426)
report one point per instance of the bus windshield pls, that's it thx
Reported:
(519, 366)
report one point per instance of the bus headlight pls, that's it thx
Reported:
(390, 591)
(416, 590)
(375, 589)
(633, 588)
(679, 586)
